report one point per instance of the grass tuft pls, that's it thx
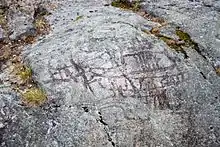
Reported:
(25, 73)
(34, 97)
(41, 25)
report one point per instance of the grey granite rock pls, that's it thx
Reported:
(200, 18)
(111, 84)
(20, 15)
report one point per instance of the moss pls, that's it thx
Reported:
(3, 19)
(2, 11)
(177, 45)
(188, 41)
(186, 38)
(183, 36)
(157, 19)
(20, 76)
(34, 97)
(173, 44)
(169, 41)
(125, 4)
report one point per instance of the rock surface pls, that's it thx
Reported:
(109, 83)
(200, 18)
(20, 15)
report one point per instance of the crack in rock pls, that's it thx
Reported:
(106, 129)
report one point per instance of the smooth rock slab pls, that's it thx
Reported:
(111, 84)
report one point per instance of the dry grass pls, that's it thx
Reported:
(5, 53)
(41, 25)
(34, 97)
(217, 70)
(25, 73)
(19, 76)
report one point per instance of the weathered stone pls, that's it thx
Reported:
(199, 18)
(20, 15)
(110, 83)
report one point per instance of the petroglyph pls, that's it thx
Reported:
(143, 72)
(113, 77)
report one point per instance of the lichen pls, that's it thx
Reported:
(34, 97)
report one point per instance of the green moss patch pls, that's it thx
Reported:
(178, 45)
(173, 44)
(125, 4)
(188, 41)
(183, 35)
